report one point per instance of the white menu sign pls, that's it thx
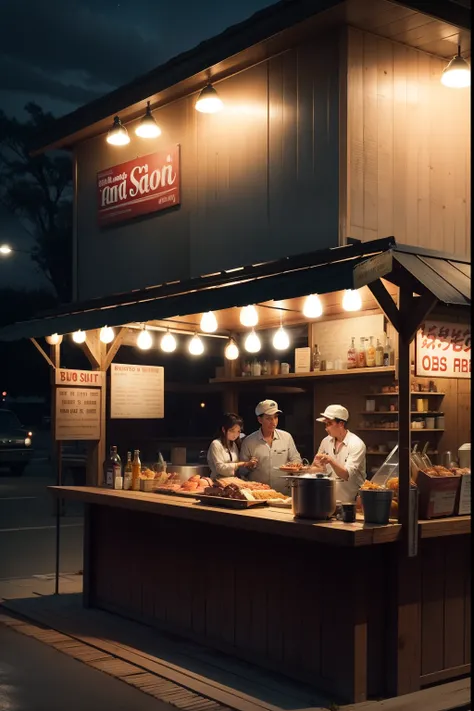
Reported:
(77, 414)
(137, 392)
(302, 360)
(443, 350)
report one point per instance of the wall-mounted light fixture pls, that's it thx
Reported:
(457, 75)
(209, 101)
(118, 134)
(148, 128)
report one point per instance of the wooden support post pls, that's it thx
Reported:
(56, 452)
(96, 352)
(404, 418)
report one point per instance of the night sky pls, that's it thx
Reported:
(64, 54)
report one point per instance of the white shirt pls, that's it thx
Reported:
(270, 458)
(351, 456)
(221, 459)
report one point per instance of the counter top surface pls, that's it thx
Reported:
(262, 519)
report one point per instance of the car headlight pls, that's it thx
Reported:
(27, 442)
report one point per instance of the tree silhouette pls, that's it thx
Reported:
(38, 191)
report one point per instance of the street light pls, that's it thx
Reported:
(5, 249)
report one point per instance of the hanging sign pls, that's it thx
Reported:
(443, 350)
(372, 269)
(139, 186)
(77, 413)
(66, 376)
(137, 391)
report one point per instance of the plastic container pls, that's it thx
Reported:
(376, 505)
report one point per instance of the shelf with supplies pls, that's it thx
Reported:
(395, 412)
(374, 453)
(395, 429)
(348, 372)
(395, 394)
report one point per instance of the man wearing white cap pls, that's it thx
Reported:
(270, 446)
(341, 453)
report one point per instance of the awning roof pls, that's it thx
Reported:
(322, 271)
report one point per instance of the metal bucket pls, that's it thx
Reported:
(376, 505)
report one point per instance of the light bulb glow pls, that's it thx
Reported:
(79, 336)
(252, 343)
(54, 339)
(231, 351)
(249, 316)
(457, 75)
(312, 307)
(281, 340)
(168, 343)
(107, 334)
(196, 346)
(148, 128)
(144, 340)
(209, 322)
(5, 249)
(351, 300)
(208, 101)
(118, 134)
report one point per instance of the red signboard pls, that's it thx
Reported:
(443, 350)
(139, 186)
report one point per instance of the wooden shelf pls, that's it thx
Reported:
(385, 454)
(414, 392)
(308, 376)
(395, 412)
(394, 429)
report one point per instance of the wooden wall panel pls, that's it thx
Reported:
(408, 147)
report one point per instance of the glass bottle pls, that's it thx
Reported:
(361, 354)
(136, 470)
(112, 469)
(352, 355)
(265, 368)
(389, 353)
(127, 473)
(256, 368)
(370, 355)
(316, 364)
(379, 354)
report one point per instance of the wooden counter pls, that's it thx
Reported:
(319, 602)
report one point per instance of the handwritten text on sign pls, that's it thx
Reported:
(66, 376)
(77, 413)
(137, 187)
(443, 350)
(137, 391)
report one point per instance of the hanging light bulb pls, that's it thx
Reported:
(252, 343)
(107, 334)
(54, 339)
(209, 322)
(351, 300)
(118, 134)
(168, 342)
(208, 101)
(312, 307)
(144, 340)
(249, 316)
(281, 340)
(196, 346)
(231, 351)
(148, 128)
(79, 336)
(457, 75)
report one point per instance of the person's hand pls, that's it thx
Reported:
(323, 459)
(252, 463)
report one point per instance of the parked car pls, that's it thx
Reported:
(15, 443)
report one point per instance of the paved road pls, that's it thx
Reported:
(35, 677)
(28, 524)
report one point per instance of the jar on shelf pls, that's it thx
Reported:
(276, 367)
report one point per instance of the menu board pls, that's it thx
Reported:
(302, 360)
(77, 414)
(137, 392)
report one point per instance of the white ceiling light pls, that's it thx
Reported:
(196, 346)
(54, 339)
(107, 334)
(231, 351)
(351, 300)
(252, 343)
(209, 101)
(281, 340)
(144, 340)
(312, 307)
(5, 249)
(79, 336)
(249, 316)
(168, 343)
(457, 75)
(118, 134)
(148, 128)
(209, 322)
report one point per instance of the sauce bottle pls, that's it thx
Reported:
(361, 354)
(316, 358)
(379, 354)
(370, 355)
(127, 473)
(352, 355)
(136, 470)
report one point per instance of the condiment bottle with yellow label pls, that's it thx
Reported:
(361, 355)
(352, 355)
(370, 354)
(136, 470)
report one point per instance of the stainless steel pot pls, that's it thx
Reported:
(185, 471)
(313, 496)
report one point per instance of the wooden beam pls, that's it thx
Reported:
(45, 355)
(114, 347)
(418, 310)
(385, 302)
(91, 348)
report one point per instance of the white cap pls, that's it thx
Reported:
(334, 412)
(267, 407)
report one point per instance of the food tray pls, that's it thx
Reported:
(170, 492)
(228, 503)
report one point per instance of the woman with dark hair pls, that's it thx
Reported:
(223, 456)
